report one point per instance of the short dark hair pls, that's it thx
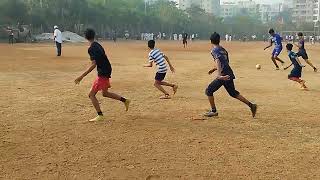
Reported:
(215, 38)
(151, 44)
(90, 34)
(289, 46)
(300, 34)
(271, 31)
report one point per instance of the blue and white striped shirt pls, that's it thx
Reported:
(157, 57)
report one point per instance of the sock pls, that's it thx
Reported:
(123, 99)
(214, 109)
(100, 113)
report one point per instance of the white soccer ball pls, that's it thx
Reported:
(258, 66)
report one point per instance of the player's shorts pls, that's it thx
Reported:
(276, 51)
(184, 41)
(101, 84)
(295, 73)
(160, 76)
(303, 54)
(228, 85)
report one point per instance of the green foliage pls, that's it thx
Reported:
(136, 16)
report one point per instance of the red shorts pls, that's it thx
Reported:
(101, 84)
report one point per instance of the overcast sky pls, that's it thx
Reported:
(260, 1)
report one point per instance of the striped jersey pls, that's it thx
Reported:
(157, 57)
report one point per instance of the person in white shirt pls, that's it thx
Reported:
(58, 39)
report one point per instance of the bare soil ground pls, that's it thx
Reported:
(45, 133)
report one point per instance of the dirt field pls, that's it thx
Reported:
(45, 133)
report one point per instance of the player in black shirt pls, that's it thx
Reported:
(100, 60)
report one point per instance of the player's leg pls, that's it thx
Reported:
(298, 80)
(275, 63)
(212, 88)
(96, 105)
(59, 49)
(158, 84)
(229, 86)
(174, 87)
(304, 55)
(104, 85)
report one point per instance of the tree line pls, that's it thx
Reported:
(135, 16)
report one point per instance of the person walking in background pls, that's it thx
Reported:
(11, 37)
(58, 40)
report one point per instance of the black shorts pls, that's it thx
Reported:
(160, 76)
(185, 41)
(303, 54)
(228, 85)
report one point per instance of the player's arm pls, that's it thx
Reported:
(54, 35)
(288, 66)
(298, 45)
(150, 63)
(212, 70)
(92, 67)
(170, 65)
(299, 62)
(269, 45)
(219, 69)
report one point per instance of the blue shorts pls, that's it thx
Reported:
(276, 51)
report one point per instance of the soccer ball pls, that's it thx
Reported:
(258, 66)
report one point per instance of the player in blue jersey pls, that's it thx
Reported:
(302, 51)
(296, 72)
(277, 40)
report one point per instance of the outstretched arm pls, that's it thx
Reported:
(93, 65)
(269, 45)
(148, 65)
(288, 66)
(170, 65)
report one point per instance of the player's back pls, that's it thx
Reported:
(222, 55)
(277, 39)
(293, 58)
(301, 43)
(97, 53)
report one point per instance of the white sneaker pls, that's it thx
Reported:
(211, 114)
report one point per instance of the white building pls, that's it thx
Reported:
(228, 9)
(305, 11)
(270, 12)
(210, 6)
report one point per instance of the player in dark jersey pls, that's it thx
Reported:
(185, 40)
(296, 72)
(302, 51)
(224, 78)
(100, 61)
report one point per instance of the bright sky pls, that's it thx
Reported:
(260, 1)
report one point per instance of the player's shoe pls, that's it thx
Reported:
(211, 114)
(96, 119)
(277, 68)
(254, 108)
(315, 69)
(127, 104)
